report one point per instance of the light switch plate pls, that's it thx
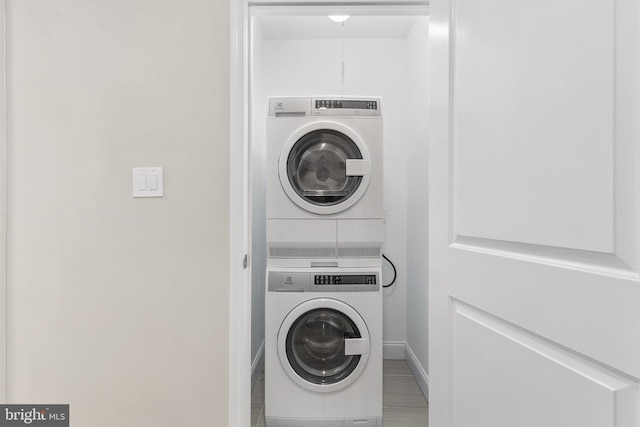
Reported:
(148, 182)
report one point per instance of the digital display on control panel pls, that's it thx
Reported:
(341, 279)
(333, 103)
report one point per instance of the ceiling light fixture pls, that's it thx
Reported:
(339, 18)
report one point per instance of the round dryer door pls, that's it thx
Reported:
(325, 168)
(323, 345)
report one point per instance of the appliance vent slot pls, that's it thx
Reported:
(302, 250)
(359, 250)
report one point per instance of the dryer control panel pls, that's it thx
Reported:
(325, 106)
(278, 281)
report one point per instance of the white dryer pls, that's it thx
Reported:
(324, 183)
(323, 347)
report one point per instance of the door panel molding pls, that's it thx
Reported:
(592, 262)
(581, 364)
(473, 224)
(524, 148)
(626, 130)
(515, 367)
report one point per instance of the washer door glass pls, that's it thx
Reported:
(316, 167)
(315, 346)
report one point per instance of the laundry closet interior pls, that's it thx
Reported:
(381, 52)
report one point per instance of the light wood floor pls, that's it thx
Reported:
(403, 402)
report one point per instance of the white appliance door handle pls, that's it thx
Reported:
(353, 346)
(358, 167)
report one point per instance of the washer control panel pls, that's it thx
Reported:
(342, 279)
(278, 281)
(346, 107)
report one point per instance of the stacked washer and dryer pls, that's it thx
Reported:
(323, 314)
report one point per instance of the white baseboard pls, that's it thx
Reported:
(418, 372)
(257, 365)
(394, 350)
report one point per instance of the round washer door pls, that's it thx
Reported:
(324, 168)
(323, 345)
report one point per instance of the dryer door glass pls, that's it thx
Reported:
(316, 167)
(316, 346)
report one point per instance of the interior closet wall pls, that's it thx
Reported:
(258, 152)
(418, 201)
(373, 67)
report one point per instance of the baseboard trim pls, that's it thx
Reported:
(257, 365)
(418, 372)
(394, 350)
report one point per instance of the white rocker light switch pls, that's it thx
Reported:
(148, 182)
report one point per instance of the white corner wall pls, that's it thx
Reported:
(257, 167)
(118, 306)
(417, 206)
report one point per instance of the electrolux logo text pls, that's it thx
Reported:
(35, 415)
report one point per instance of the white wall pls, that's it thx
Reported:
(3, 200)
(119, 306)
(418, 203)
(258, 153)
(375, 67)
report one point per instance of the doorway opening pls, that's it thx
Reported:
(378, 51)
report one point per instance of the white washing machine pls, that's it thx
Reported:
(323, 347)
(324, 180)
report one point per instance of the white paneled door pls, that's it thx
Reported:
(534, 213)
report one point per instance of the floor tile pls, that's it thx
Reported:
(257, 401)
(405, 417)
(401, 391)
(256, 412)
(261, 421)
(396, 367)
(257, 395)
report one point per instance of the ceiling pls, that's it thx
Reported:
(321, 27)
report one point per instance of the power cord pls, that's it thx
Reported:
(395, 272)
